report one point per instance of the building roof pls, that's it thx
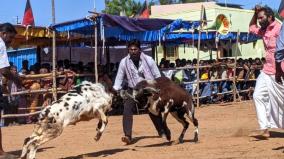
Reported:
(230, 5)
(174, 8)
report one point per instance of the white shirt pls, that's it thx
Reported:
(224, 75)
(4, 62)
(169, 73)
(121, 73)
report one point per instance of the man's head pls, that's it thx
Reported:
(265, 16)
(25, 64)
(134, 50)
(7, 33)
(13, 69)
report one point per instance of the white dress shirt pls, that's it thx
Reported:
(4, 62)
(121, 73)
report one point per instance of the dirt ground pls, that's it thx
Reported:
(224, 133)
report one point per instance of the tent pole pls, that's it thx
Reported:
(54, 92)
(235, 67)
(70, 51)
(96, 53)
(198, 52)
(108, 59)
(156, 53)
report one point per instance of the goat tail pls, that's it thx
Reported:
(195, 121)
(191, 114)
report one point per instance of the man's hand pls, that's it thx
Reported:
(10, 76)
(256, 9)
(254, 18)
(279, 73)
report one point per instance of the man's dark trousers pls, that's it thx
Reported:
(129, 108)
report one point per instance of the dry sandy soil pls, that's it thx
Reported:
(224, 133)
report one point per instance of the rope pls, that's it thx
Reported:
(33, 92)
(19, 115)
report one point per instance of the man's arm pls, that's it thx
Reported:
(10, 76)
(155, 70)
(253, 28)
(119, 76)
(279, 54)
(253, 21)
(279, 72)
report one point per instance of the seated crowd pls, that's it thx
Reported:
(216, 81)
(211, 91)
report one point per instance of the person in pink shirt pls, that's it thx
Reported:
(267, 90)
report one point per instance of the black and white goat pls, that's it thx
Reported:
(84, 102)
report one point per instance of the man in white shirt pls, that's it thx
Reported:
(133, 68)
(7, 34)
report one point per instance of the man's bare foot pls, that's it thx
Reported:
(261, 134)
(127, 140)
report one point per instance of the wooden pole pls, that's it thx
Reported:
(54, 93)
(70, 50)
(96, 53)
(156, 53)
(235, 67)
(198, 52)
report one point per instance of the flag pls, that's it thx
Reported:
(222, 24)
(204, 18)
(144, 12)
(281, 9)
(28, 18)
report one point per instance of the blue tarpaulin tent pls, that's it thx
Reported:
(181, 37)
(122, 28)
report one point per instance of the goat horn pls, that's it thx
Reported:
(151, 89)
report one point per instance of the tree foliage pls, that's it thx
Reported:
(116, 7)
(132, 7)
(191, 1)
(163, 2)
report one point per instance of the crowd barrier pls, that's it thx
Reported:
(60, 75)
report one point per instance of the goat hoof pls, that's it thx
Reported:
(195, 138)
(168, 135)
(97, 137)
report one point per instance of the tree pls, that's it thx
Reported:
(191, 1)
(163, 2)
(116, 7)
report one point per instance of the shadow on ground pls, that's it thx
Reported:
(168, 143)
(103, 153)
(18, 152)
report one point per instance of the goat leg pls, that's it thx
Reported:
(101, 125)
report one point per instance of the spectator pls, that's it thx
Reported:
(13, 100)
(25, 66)
(45, 83)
